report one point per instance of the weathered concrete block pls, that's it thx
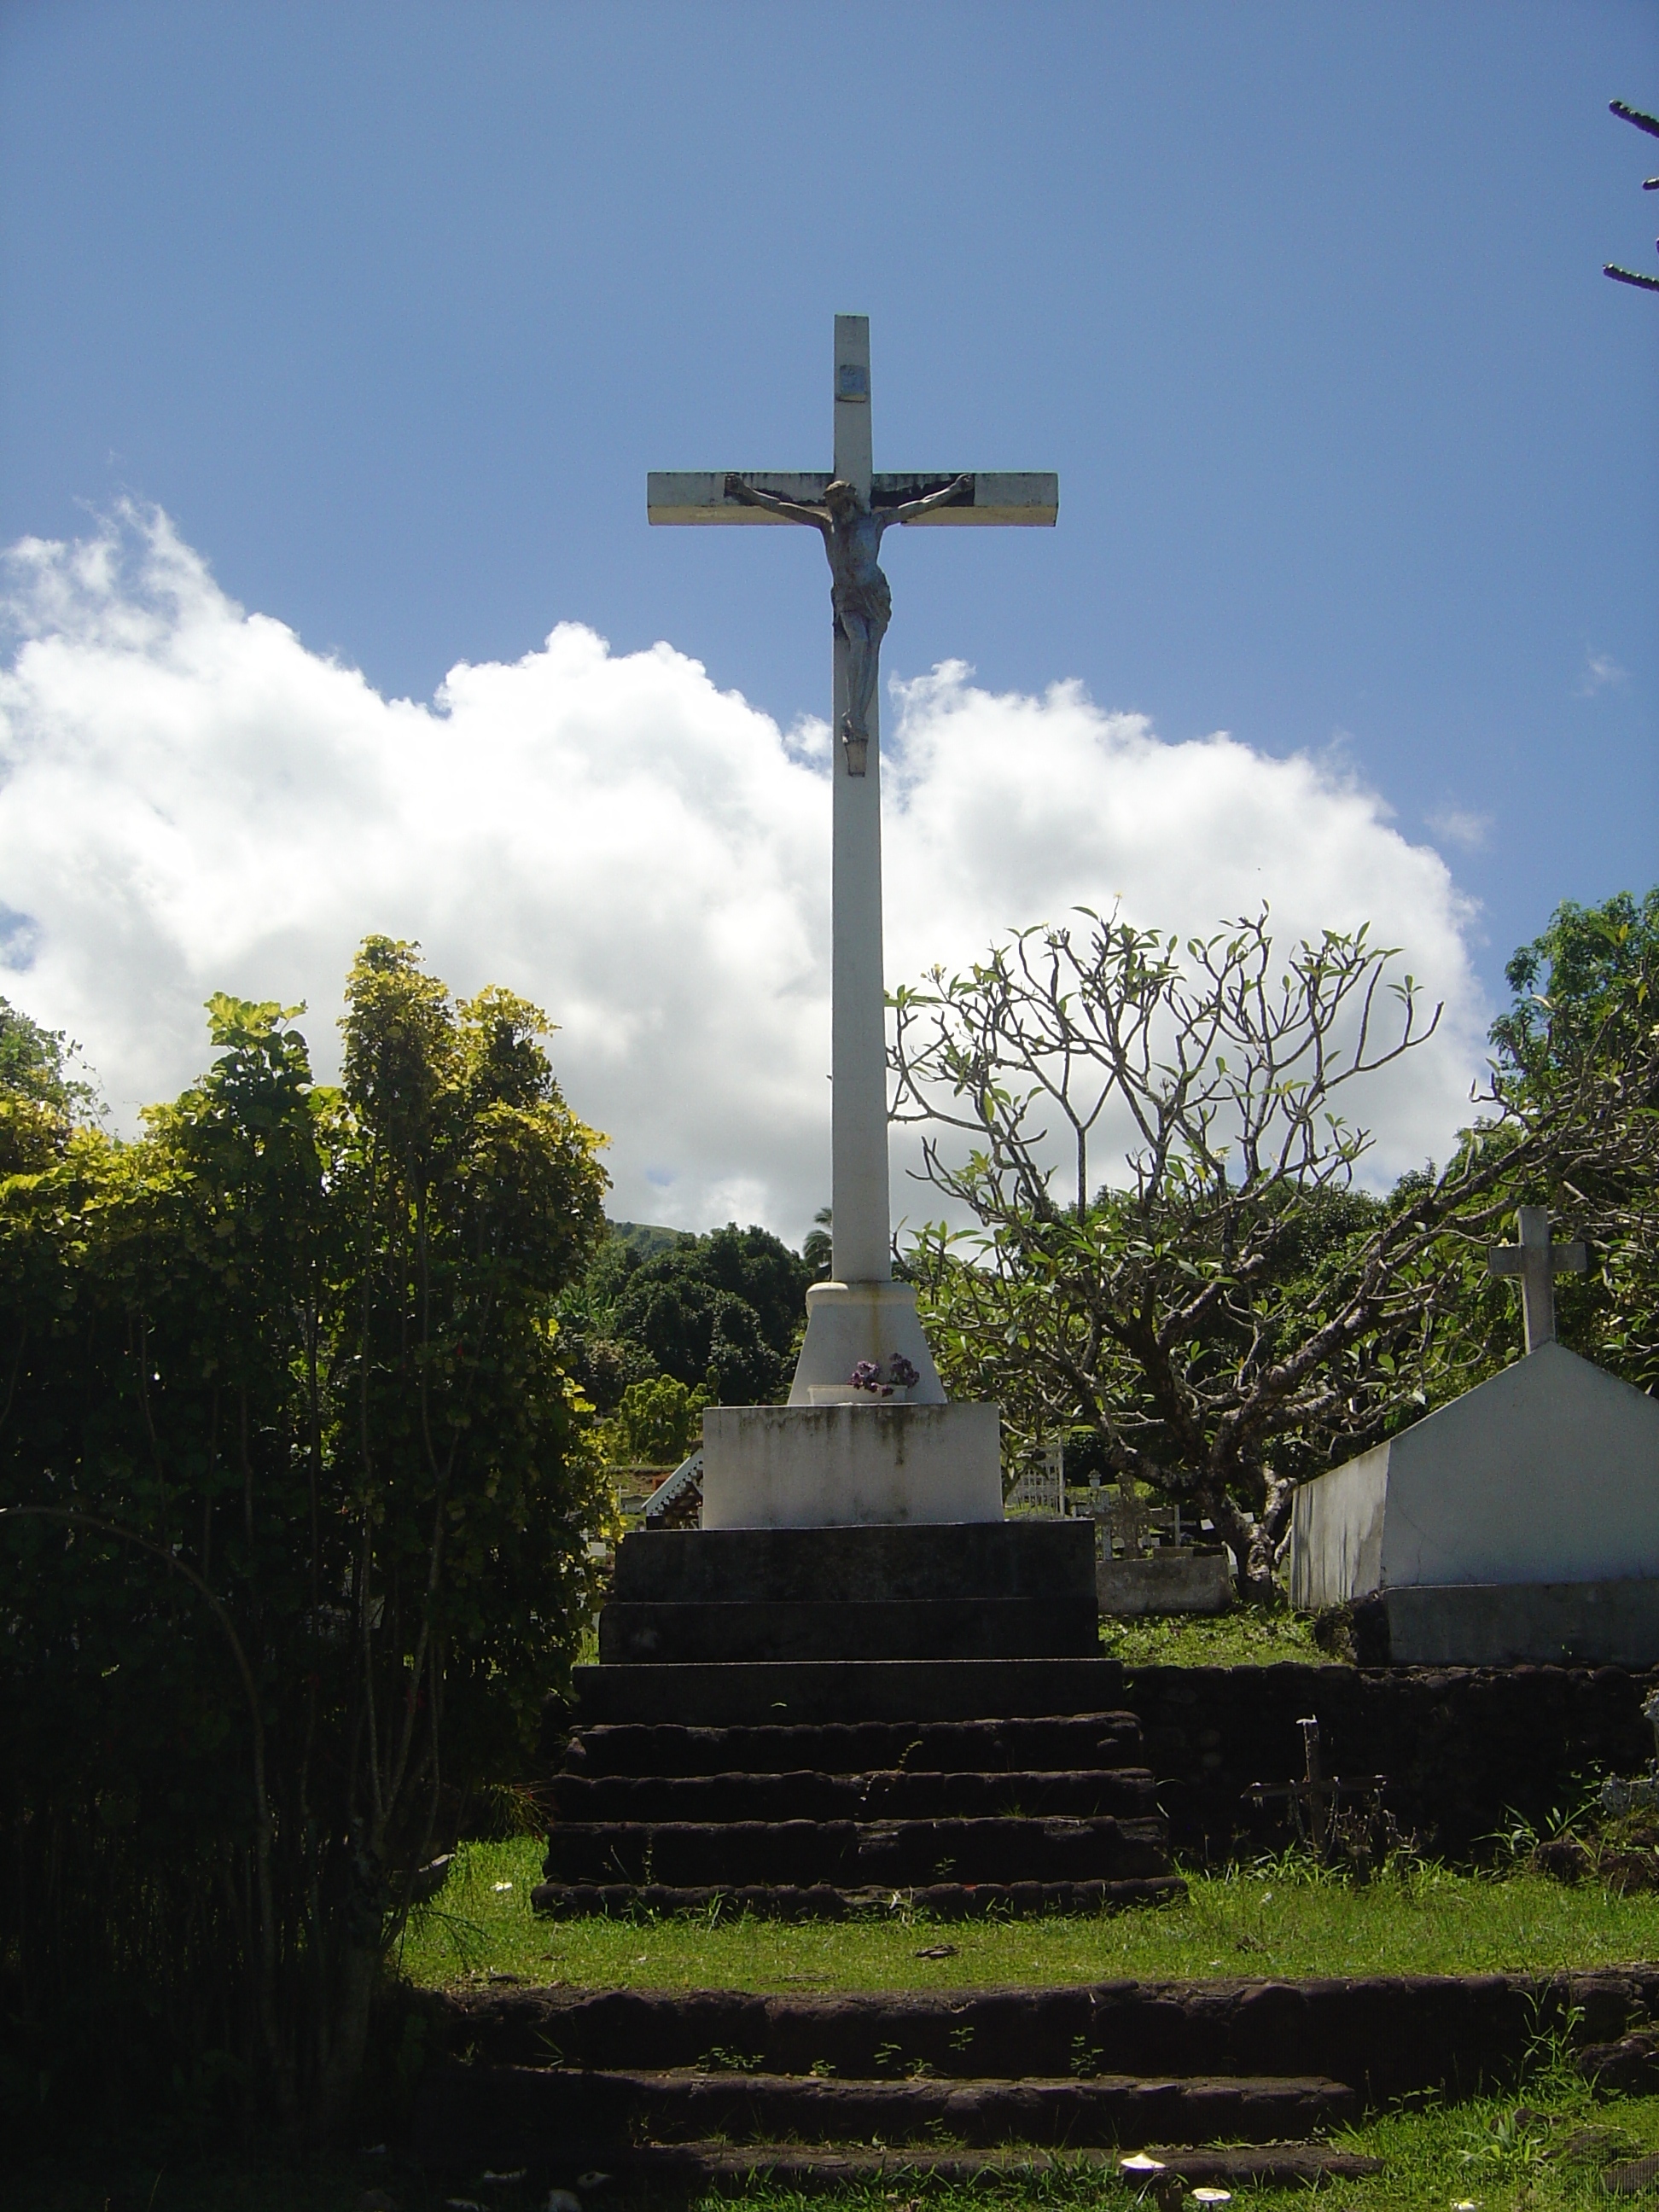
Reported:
(1039, 1559)
(825, 1467)
(1611, 1624)
(1168, 1582)
(800, 1631)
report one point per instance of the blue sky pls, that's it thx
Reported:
(390, 309)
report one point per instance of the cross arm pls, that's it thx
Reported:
(1511, 1259)
(699, 495)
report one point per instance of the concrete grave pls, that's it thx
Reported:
(1169, 1576)
(1519, 1523)
(1167, 1582)
(1549, 1472)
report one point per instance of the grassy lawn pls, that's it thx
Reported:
(1238, 1638)
(1273, 1921)
(1472, 2153)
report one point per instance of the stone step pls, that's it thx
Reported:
(503, 2117)
(846, 1854)
(1393, 2035)
(685, 2169)
(1125, 1792)
(1015, 1900)
(752, 1694)
(860, 1630)
(1074, 1740)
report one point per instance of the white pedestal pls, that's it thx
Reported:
(847, 1322)
(840, 1467)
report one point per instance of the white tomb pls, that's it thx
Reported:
(886, 1448)
(1523, 1519)
(1549, 1472)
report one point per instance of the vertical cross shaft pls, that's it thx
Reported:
(859, 1197)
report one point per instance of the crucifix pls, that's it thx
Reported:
(1537, 1262)
(861, 1314)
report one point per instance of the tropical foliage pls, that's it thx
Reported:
(655, 1424)
(298, 1502)
(721, 1314)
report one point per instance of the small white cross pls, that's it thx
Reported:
(1537, 1261)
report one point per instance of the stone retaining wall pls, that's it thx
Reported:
(1462, 1747)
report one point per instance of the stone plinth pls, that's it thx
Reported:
(735, 1597)
(1522, 1624)
(833, 1467)
(805, 1693)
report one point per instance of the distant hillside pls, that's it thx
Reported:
(646, 1237)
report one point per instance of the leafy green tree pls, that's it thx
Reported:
(819, 1248)
(40, 1102)
(297, 1497)
(722, 1313)
(655, 1424)
(1586, 1013)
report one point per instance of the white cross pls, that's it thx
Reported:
(859, 1191)
(1537, 1261)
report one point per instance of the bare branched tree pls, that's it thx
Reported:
(1234, 1312)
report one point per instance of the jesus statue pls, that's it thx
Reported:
(859, 593)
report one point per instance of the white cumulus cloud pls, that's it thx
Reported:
(191, 800)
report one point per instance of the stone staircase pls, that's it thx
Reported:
(816, 1724)
(1016, 1814)
(652, 2092)
(670, 2090)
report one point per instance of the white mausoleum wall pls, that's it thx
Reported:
(1547, 1472)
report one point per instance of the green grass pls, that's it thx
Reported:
(1436, 2157)
(1277, 1920)
(1238, 1638)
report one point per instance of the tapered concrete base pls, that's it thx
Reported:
(847, 1322)
(838, 1466)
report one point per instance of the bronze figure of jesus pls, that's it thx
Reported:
(859, 591)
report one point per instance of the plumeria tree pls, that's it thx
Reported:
(1175, 1260)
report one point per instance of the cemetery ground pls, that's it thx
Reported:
(1545, 2143)
(1281, 1916)
(1542, 2148)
